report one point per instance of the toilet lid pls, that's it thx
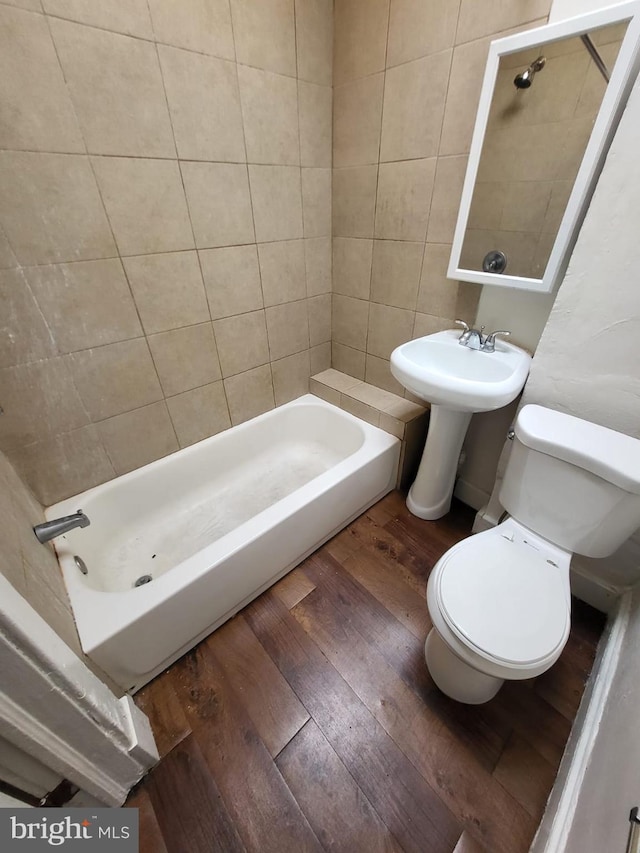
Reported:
(504, 598)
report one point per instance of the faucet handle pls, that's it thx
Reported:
(490, 342)
(465, 327)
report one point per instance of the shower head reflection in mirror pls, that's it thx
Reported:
(539, 145)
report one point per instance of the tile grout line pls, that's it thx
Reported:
(193, 234)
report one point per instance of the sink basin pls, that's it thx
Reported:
(457, 381)
(441, 371)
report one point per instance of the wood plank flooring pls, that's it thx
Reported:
(309, 722)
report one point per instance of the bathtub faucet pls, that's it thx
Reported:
(58, 526)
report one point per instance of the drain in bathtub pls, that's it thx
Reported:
(143, 579)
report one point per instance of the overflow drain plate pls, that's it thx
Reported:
(143, 579)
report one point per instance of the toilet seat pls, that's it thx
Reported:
(524, 617)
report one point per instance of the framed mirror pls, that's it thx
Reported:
(550, 103)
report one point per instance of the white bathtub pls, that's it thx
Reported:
(214, 525)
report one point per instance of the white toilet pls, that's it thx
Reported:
(500, 601)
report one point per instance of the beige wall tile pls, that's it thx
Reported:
(337, 380)
(130, 17)
(204, 103)
(419, 29)
(136, 438)
(315, 115)
(282, 271)
(25, 503)
(314, 40)
(270, 114)
(199, 413)
(242, 342)
(116, 88)
(232, 280)
(319, 319)
(168, 290)
(265, 35)
(391, 425)
(287, 328)
(465, 83)
(65, 464)
(249, 394)
(115, 378)
(360, 38)
(24, 335)
(348, 360)
(388, 328)
(427, 324)
(86, 304)
(372, 396)
(55, 612)
(219, 203)
(357, 117)
(145, 203)
(396, 273)
(319, 358)
(438, 294)
(378, 373)
(360, 410)
(483, 17)
(404, 199)
(201, 25)
(354, 201)
(352, 266)
(12, 566)
(316, 202)
(38, 400)
(324, 392)
(36, 112)
(445, 201)
(33, 5)
(414, 97)
(7, 258)
(31, 186)
(317, 253)
(276, 196)
(291, 377)
(185, 358)
(349, 321)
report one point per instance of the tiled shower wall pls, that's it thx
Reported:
(165, 204)
(407, 80)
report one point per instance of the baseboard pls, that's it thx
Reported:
(470, 495)
(557, 820)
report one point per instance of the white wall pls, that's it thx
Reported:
(562, 9)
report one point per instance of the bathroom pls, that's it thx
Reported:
(124, 219)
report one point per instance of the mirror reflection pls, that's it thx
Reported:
(545, 103)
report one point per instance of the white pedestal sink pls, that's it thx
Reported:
(457, 381)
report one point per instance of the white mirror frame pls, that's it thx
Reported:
(613, 103)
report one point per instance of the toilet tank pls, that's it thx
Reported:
(575, 483)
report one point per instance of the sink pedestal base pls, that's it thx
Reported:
(430, 495)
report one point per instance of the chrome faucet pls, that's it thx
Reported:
(57, 526)
(476, 339)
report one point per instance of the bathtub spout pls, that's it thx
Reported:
(50, 529)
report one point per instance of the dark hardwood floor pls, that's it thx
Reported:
(309, 722)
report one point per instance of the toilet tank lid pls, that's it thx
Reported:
(604, 452)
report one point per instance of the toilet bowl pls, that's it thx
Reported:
(500, 601)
